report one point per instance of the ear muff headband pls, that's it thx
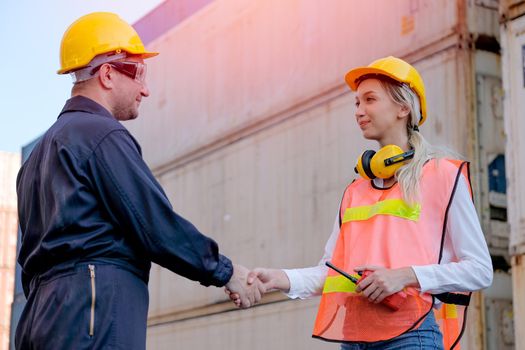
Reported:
(399, 158)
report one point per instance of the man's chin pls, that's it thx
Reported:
(128, 116)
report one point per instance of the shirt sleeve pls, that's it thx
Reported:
(466, 264)
(137, 205)
(308, 282)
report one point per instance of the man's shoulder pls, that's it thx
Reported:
(82, 132)
(89, 126)
(91, 121)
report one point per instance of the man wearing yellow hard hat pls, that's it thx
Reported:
(92, 215)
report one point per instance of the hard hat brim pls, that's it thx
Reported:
(148, 54)
(353, 76)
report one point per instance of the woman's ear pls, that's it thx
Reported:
(403, 112)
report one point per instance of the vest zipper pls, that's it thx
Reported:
(93, 299)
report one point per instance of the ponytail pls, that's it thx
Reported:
(409, 175)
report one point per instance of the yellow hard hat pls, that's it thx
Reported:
(98, 33)
(396, 69)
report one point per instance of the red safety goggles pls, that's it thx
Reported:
(134, 70)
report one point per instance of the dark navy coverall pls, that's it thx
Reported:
(93, 218)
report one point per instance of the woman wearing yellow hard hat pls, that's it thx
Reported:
(406, 240)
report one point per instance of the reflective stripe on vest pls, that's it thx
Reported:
(395, 207)
(448, 321)
(379, 228)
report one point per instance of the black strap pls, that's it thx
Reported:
(453, 298)
(399, 158)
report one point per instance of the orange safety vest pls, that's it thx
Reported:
(379, 228)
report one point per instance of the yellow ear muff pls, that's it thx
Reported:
(363, 165)
(383, 163)
(378, 166)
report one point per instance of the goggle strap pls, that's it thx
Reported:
(87, 73)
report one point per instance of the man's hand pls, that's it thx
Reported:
(245, 295)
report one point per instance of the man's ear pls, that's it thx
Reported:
(106, 76)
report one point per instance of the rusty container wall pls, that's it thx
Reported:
(9, 165)
(513, 48)
(250, 130)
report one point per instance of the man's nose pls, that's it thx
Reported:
(144, 91)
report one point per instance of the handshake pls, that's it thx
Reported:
(246, 287)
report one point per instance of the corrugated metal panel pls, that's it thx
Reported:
(518, 286)
(280, 325)
(227, 67)
(251, 132)
(483, 17)
(270, 199)
(513, 43)
(498, 313)
(280, 185)
(491, 170)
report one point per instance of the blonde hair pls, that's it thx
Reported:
(409, 175)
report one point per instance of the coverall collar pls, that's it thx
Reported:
(84, 104)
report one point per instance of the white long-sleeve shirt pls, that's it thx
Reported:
(464, 242)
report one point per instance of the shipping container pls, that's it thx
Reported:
(513, 42)
(513, 48)
(250, 129)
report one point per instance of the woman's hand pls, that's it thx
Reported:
(270, 279)
(382, 282)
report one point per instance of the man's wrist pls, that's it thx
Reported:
(223, 273)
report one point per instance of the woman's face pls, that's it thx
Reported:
(378, 116)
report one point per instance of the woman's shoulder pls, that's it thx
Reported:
(358, 182)
(439, 169)
(447, 164)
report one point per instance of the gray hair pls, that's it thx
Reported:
(86, 73)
